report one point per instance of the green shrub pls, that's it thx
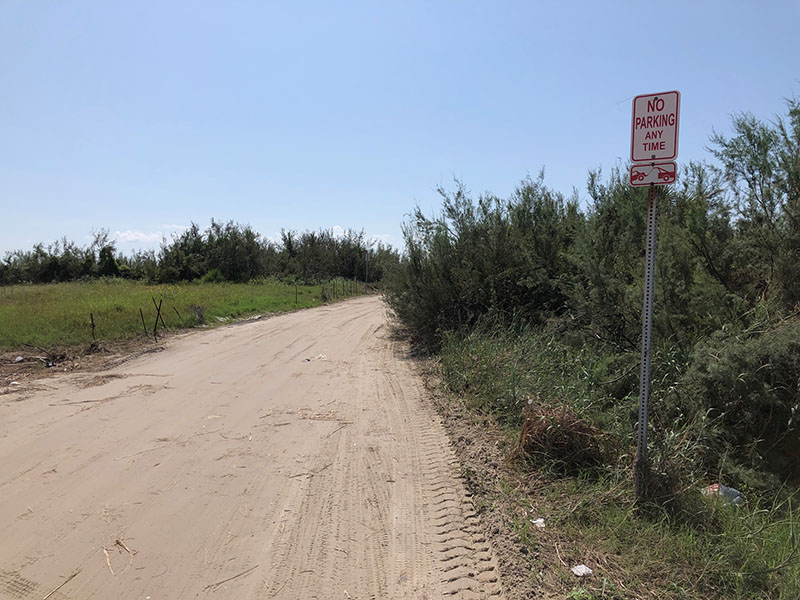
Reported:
(484, 257)
(213, 276)
(746, 387)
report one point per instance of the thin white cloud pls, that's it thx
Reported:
(132, 236)
(137, 236)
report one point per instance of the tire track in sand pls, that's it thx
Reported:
(385, 514)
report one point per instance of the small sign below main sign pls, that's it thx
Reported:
(657, 173)
(654, 127)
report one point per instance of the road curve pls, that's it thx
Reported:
(291, 457)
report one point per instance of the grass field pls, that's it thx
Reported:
(58, 314)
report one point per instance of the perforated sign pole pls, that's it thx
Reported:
(640, 467)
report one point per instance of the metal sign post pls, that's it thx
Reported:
(654, 145)
(640, 468)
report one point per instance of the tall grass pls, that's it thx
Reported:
(499, 370)
(689, 547)
(58, 314)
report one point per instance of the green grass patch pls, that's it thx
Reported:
(58, 314)
(723, 552)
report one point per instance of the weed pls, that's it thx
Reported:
(565, 440)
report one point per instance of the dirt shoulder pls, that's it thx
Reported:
(27, 365)
(482, 450)
(31, 363)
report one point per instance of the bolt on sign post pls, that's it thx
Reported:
(654, 145)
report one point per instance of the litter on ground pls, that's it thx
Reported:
(581, 570)
(727, 494)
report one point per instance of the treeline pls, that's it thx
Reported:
(222, 252)
(726, 380)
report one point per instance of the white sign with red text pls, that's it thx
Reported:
(657, 173)
(654, 128)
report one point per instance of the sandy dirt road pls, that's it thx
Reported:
(292, 457)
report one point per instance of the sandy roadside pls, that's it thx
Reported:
(287, 458)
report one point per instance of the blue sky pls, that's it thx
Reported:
(141, 117)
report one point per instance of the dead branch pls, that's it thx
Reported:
(108, 560)
(342, 426)
(138, 453)
(62, 584)
(219, 583)
(122, 545)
